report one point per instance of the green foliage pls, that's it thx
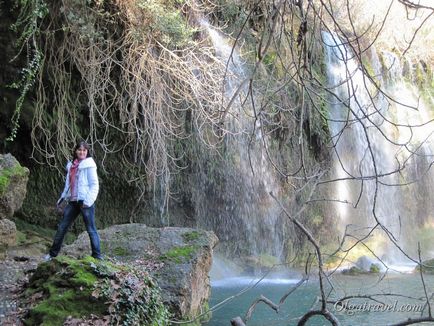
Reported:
(28, 27)
(166, 23)
(230, 15)
(374, 268)
(229, 10)
(178, 254)
(133, 298)
(353, 271)
(369, 70)
(269, 58)
(29, 18)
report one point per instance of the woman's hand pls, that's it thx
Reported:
(59, 201)
(82, 205)
(59, 208)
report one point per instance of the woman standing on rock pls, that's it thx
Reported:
(81, 190)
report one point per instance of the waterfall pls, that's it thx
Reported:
(381, 140)
(247, 218)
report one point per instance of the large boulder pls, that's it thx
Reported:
(13, 185)
(179, 259)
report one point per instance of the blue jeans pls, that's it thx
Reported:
(72, 210)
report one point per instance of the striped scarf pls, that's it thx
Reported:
(72, 174)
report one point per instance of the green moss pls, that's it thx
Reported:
(191, 236)
(368, 69)
(67, 285)
(78, 288)
(62, 304)
(7, 174)
(178, 254)
(374, 268)
(4, 183)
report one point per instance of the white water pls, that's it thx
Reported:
(258, 219)
(251, 281)
(377, 146)
(372, 152)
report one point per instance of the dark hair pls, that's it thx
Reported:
(81, 143)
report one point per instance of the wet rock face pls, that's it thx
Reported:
(179, 259)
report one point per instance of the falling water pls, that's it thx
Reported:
(380, 141)
(248, 207)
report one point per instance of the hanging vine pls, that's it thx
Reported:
(127, 76)
(27, 26)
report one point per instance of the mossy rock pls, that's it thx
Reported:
(191, 236)
(9, 172)
(66, 287)
(375, 268)
(13, 185)
(179, 254)
(354, 270)
(427, 266)
(80, 288)
(178, 258)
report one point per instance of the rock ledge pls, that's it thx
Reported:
(179, 259)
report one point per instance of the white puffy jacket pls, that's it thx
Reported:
(88, 185)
